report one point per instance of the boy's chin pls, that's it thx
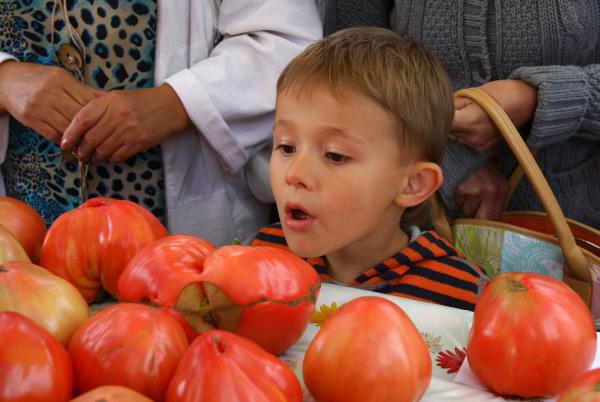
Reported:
(305, 250)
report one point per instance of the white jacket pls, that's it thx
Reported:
(229, 94)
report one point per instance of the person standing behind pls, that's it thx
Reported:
(540, 60)
(169, 100)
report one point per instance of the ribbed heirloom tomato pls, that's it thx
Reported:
(34, 367)
(25, 224)
(91, 245)
(163, 268)
(261, 293)
(222, 367)
(131, 345)
(367, 351)
(47, 299)
(531, 336)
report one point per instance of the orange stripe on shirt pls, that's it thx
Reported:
(436, 286)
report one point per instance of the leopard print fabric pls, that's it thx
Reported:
(119, 38)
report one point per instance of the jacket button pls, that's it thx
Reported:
(70, 58)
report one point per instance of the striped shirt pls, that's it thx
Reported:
(428, 269)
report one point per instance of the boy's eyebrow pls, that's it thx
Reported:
(338, 132)
(329, 130)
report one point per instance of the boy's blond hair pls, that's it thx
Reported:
(396, 72)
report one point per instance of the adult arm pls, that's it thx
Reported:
(568, 103)
(230, 96)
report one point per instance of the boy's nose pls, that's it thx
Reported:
(299, 173)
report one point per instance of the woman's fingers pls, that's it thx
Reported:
(123, 153)
(108, 147)
(47, 131)
(88, 117)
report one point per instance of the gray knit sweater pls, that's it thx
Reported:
(553, 45)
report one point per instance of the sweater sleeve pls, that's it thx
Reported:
(568, 103)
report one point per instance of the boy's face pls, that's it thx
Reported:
(336, 170)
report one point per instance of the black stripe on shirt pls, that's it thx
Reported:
(450, 251)
(430, 295)
(271, 238)
(459, 264)
(425, 253)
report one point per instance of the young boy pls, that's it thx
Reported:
(361, 124)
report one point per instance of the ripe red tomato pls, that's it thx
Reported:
(262, 293)
(585, 388)
(10, 248)
(222, 367)
(132, 345)
(34, 367)
(531, 336)
(25, 224)
(368, 350)
(91, 245)
(111, 393)
(162, 269)
(48, 300)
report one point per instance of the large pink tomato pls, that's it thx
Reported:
(367, 351)
(91, 245)
(531, 336)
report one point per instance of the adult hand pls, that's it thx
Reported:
(43, 98)
(120, 124)
(472, 126)
(483, 194)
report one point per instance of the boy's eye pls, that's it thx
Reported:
(285, 148)
(335, 157)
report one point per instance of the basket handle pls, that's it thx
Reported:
(573, 255)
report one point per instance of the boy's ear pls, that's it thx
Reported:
(423, 180)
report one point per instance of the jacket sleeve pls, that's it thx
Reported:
(568, 103)
(230, 96)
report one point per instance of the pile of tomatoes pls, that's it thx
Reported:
(198, 323)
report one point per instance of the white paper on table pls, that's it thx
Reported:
(465, 375)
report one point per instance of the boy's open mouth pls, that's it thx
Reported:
(297, 212)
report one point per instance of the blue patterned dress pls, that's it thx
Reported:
(119, 39)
